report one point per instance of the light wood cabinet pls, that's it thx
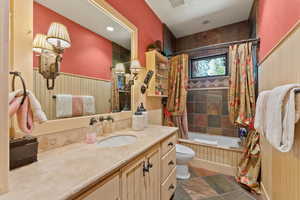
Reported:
(168, 167)
(159, 64)
(141, 179)
(133, 181)
(153, 176)
(150, 176)
(168, 163)
(109, 189)
(168, 144)
(169, 186)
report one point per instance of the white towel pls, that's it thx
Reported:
(261, 110)
(63, 105)
(88, 105)
(276, 116)
(38, 114)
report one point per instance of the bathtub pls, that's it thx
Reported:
(216, 140)
(214, 153)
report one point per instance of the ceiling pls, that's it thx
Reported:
(186, 17)
(90, 17)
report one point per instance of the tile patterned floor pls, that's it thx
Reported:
(207, 185)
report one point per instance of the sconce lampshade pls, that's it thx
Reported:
(58, 36)
(120, 68)
(135, 66)
(127, 78)
(41, 45)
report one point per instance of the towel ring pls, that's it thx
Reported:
(18, 74)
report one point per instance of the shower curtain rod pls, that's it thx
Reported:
(220, 45)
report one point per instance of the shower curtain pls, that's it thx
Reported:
(242, 59)
(175, 111)
(242, 85)
(115, 100)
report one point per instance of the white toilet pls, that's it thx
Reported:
(183, 156)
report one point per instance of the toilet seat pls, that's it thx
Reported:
(184, 150)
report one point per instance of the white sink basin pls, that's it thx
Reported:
(117, 141)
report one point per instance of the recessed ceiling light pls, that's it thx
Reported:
(110, 28)
(206, 22)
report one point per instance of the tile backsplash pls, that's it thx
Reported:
(208, 112)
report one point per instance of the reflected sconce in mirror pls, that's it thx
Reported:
(50, 47)
(120, 68)
(135, 67)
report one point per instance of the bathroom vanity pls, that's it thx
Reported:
(143, 169)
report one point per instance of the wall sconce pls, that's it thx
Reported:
(135, 67)
(51, 47)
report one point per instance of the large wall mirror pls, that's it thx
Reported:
(75, 58)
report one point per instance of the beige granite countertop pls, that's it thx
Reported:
(63, 172)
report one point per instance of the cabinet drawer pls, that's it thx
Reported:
(168, 144)
(168, 163)
(169, 186)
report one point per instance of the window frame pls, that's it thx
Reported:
(211, 57)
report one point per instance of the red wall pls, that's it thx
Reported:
(90, 54)
(149, 25)
(276, 18)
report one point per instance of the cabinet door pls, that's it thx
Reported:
(153, 176)
(108, 190)
(134, 181)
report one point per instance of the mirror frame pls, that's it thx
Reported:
(4, 67)
(60, 125)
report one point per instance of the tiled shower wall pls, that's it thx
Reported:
(208, 112)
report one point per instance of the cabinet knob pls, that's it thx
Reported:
(171, 144)
(171, 162)
(171, 187)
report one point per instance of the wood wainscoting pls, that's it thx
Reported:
(281, 171)
(75, 85)
(218, 159)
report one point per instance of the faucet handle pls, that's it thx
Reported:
(110, 118)
(93, 121)
(101, 119)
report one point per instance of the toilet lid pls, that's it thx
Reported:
(184, 150)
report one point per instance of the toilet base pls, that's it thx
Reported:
(182, 172)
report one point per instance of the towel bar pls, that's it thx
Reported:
(297, 90)
(18, 74)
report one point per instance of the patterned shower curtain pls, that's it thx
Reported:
(175, 112)
(242, 85)
(115, 99)
(242, 111)
(249, 167)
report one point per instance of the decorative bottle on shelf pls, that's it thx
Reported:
(138, 122)
(145, 114)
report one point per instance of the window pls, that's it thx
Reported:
(209, 66)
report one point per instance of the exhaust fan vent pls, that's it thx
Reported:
(176, 3)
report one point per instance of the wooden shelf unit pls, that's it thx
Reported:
(159, 64)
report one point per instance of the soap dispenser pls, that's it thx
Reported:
(91, 135)
(138, 121)
(145, 114)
